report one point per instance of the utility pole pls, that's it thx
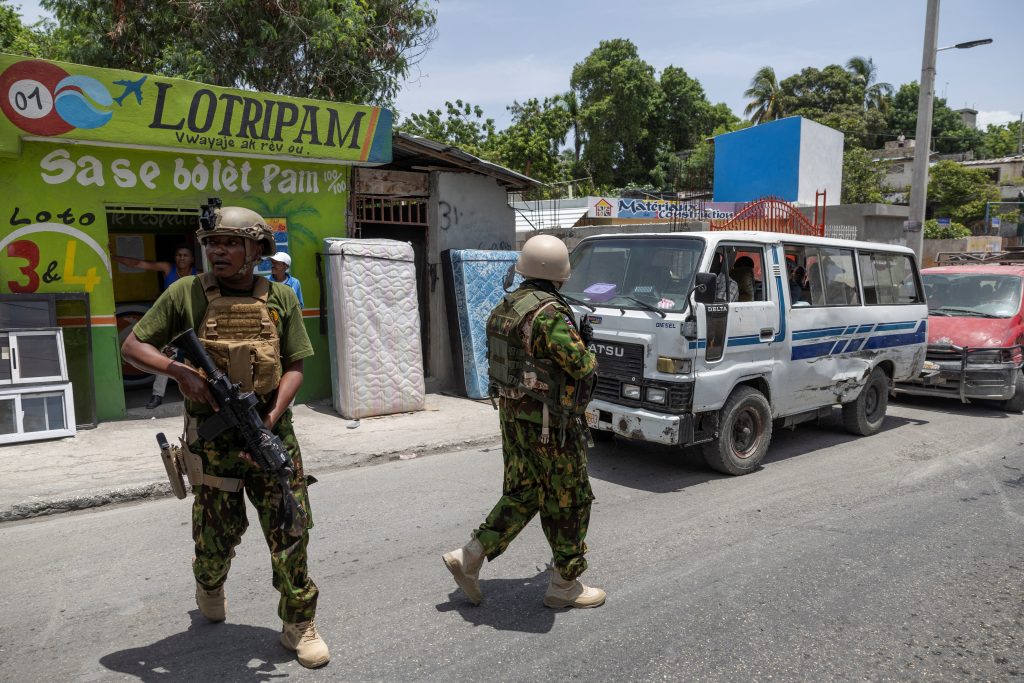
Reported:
(913, 228)
(1020, 134)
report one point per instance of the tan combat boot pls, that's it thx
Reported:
(464, 564)
(310, 648)
(572, 593)
(211, 603)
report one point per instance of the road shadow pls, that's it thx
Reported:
(206, 651)
(807, 437)
(508, 605)
(953, 406)
(668, 469)
(648, 466)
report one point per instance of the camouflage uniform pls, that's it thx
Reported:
(219, 520)
(549, 478)
(218, 516)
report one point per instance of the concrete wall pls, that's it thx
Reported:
(821, 162)
(932, 248)
(466, 211)
(874, 222)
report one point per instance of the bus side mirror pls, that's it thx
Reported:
(704, 288)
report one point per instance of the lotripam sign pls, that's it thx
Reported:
(46, 99)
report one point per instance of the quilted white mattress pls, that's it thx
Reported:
(374, 327)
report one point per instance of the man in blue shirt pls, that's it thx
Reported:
(184, 264)
(279, 265)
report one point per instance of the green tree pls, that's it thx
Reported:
(342, 50)
(865, 73)
(572, 106)
(766, 98)
(863, 179)
(934, 231)
(960, 192)
(687, 115)
(814, 92)
(461, 124)
(18, 39)
(999, 141)
(531, 144)
(619, 102)
(949, 134)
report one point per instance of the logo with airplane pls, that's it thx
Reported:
(43, 99)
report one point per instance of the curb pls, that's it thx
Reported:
(162, 489)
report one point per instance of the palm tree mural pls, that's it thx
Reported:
(765, 97)
(876, 95)
(293, 210)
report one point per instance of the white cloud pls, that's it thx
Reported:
(985, 118)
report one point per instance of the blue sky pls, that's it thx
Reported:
(491, 53)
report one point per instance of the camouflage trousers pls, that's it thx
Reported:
(219, 520)
(547, 478)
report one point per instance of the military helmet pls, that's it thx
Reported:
(544, 257)
(239, 222)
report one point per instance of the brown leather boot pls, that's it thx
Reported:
(572, 593)
(303, 639)
(213, 604)
(464, 564)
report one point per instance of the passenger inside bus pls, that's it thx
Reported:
(743, 272)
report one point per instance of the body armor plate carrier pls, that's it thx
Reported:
(513, 370)
(241, 338)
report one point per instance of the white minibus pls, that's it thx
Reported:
(712, 337)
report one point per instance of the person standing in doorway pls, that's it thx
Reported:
(184, 264)
(280, 264)
(543, 372)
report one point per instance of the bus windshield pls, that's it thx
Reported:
(972, 295)
(635, 273)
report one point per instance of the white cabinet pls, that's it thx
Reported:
(36, 400)
(32, 356)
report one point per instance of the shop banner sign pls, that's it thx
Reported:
(43, 99)
(655, 209)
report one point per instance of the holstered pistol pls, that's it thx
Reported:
(174, 465)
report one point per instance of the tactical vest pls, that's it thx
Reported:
(241, 338)
(513, 370)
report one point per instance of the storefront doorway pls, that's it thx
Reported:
(152, 234)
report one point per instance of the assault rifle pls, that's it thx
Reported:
(238, 410)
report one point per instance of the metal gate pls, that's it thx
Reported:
(773, 214)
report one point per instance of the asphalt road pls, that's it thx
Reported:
(893, 557)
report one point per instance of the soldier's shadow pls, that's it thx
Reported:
(225, 651)
(508, 605)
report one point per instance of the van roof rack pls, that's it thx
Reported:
(1011, 256)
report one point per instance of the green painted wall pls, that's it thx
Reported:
(53, 219)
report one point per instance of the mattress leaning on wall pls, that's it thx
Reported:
(473, 287)
(373, 327)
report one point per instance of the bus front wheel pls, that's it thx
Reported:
(865, 414)
(744, 432)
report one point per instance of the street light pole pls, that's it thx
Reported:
(914, 227)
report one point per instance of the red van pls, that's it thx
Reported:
(975, 333)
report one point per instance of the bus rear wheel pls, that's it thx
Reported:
(866, 413)
(744, 432)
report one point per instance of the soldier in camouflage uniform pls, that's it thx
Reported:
(238, 316)
(543, 372)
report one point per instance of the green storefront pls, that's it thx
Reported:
(95, 162)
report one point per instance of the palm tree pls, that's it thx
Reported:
(572, 105)
(864, 72)
(766, 97)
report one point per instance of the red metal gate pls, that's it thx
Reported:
(772, 214)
